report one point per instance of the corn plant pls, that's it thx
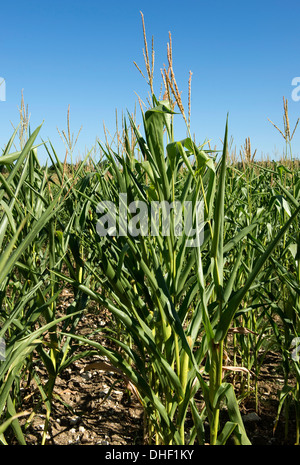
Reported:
(287, 308)
(184, 249)
(171, 299)
(29, 228)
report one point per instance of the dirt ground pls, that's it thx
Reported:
(87, 411)
(94, 407)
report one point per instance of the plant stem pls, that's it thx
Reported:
(215, 383)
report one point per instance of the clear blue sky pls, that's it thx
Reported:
(243, 56)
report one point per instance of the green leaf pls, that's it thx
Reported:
(226, 432)
(226, 390)
(218, 229)
(234, 302)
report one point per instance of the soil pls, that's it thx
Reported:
(94, 407)
(87, 411)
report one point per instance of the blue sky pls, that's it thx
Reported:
(243, 56)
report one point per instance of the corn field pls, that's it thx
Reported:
(189, 326)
